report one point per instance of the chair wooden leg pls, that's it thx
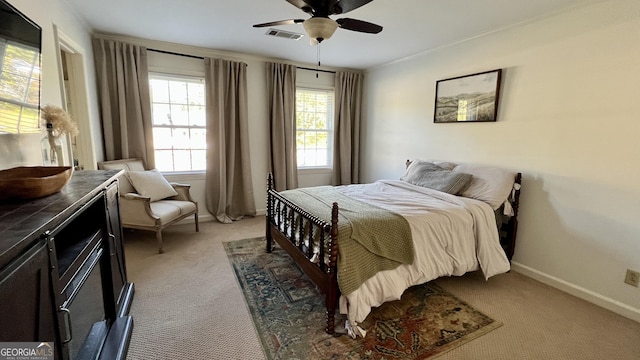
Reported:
(197, 226)
(159, 238)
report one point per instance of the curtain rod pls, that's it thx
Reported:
(175, 53)
(202, 58)
(320, 70)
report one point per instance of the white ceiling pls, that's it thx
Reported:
(410, 26)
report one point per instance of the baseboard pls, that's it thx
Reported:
(580, 292)
(201, 218)
(208, 217)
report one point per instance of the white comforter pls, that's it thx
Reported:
(452, 235)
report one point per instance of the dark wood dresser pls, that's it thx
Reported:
(63, 275)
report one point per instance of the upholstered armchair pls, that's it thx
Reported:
(148, 201)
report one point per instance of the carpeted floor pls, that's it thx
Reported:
(188, 305)
(289, 313)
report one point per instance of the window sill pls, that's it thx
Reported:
(196, 175)
(318, 170)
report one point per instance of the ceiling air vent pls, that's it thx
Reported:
(284, 34)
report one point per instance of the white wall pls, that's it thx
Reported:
(568, 120)
(47, 14)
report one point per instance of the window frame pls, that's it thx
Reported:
(330, 130)
(156, 74)
(23, 123)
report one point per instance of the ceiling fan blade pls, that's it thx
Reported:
(344, 6)
(359, 25)
(306, 6)
(281, 22)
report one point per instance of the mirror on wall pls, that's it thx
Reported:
(20, 45)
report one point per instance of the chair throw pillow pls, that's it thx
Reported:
(432, 176)
(151, 184)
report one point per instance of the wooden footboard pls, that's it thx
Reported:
(311, 242)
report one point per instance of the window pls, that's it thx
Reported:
(314, 128)
(179, 122)
(19, 88)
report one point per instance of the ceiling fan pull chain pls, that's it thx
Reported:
(318, 56)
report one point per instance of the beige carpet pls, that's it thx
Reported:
(188, 305)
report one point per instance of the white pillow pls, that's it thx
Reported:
(489, 184)
(151, 184)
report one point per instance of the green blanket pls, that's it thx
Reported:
(371, 239)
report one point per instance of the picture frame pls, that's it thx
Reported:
(468, 98)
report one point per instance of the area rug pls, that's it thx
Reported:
(289, 314)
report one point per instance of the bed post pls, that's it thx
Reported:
(269, 212)
(512, 224)
(331, 300)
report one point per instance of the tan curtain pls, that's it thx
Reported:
(348, 93)
(229, 188)
(125, 105)
(281, 85)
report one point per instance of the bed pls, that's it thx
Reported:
(364, 244)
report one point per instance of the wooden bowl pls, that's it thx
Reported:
(30, 182)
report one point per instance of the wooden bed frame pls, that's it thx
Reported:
(299, 232)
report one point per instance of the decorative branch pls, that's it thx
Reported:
(58, 121)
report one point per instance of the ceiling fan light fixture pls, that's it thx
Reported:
(320, 28)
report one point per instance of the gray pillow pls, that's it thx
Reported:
(432, 176)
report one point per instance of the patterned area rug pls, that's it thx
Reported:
(289, 314)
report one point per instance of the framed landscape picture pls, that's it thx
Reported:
(469, 98)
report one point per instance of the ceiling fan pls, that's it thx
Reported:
(319, 26)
